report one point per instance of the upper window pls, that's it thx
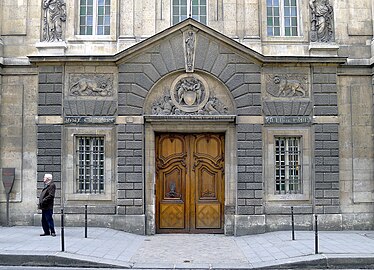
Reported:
(282, 18)
(287, 165)
(90, 164)
(182, 9)
(94, 17)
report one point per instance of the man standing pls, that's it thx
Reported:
(46, 205)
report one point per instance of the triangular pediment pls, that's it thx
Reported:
(203, 32)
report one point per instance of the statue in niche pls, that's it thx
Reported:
(322, 21)
(190, 49)
(54, 16)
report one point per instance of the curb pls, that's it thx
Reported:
(327, 262)
(50, 260)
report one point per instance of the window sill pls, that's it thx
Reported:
(288, 197)
(91, 38)
(88, 197)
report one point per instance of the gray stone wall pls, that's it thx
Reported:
(327, 169)
(325, 91)
(130, 187)
(326, 141)
(49, 156)
(49, 137)
(249, 170)
(50, 90)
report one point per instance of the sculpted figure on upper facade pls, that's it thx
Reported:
(190, 49)
(322, 21)
(54, 16)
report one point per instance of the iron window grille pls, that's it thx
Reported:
(282, 18)
(183, 9)
(90, 164)
(94, 17)
(288, 165)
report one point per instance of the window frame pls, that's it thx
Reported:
(95, 18)
(305, 148)
(73, 26)
(81, 164)
(282, 19)
(188, 9)
(70, 169)
(287, 165)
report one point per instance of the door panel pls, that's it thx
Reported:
(171, 182)
(189, 183)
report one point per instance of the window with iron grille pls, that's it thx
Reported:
(182, 9)
(282, 18)
(287, 165)
(90, 164)
(94, 17)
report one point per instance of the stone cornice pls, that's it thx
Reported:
(177, 29)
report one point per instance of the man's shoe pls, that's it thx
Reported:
(44, 234)
(53, 234)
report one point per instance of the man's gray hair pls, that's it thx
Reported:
(48, 176)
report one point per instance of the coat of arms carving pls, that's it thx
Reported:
(189, 95)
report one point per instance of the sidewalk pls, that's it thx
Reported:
(117, 249)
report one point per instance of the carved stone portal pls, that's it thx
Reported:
(287, 86)
(91, 85)
(189, 95)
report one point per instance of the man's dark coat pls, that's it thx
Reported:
(47, 196)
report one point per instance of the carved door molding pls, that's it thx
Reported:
(189, 183)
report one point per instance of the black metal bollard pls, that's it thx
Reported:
(85, 221)
(62, 231)
(315, 234)
(292, 224)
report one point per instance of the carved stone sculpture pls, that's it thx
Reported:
(53, 18)
(95, 86)
(287, 86)
(190, 50)
(322, 21)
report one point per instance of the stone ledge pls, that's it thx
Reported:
(199, 118)
(51, 48)
(323, 49)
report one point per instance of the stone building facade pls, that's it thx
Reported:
(189, 116)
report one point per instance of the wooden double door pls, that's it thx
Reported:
(190, 183)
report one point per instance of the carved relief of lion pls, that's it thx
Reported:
(85, 87)
(289, 87)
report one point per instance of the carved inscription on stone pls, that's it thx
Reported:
(91, 85)
(287, 86)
